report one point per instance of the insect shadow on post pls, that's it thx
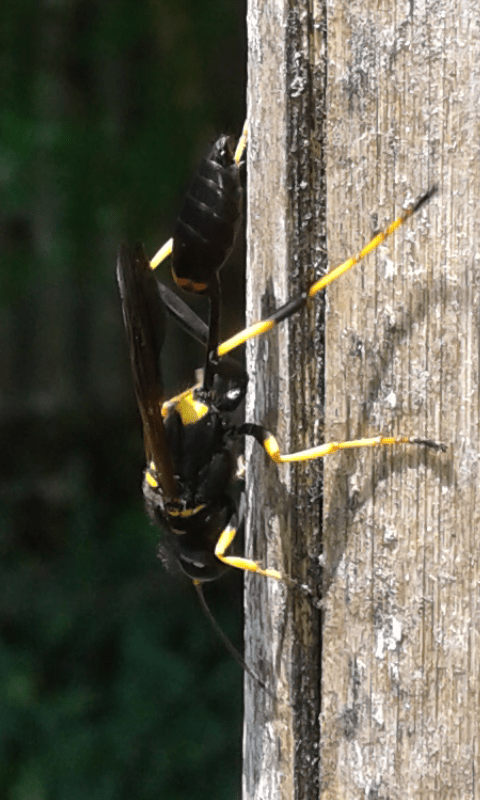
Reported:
(193, 484)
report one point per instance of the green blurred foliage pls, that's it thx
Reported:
(112, 684)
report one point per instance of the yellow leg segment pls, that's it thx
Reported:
(241, 144)
(248, 565)
(162, 254)
(350, 262)
(261, 327)
(271, 447)
(224, 542)
(248, 333)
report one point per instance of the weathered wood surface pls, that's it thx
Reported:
(399, 662)
(400, 652)
(285, 243)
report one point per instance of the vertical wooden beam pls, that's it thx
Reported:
(400, 652)
(286, 250)
(400, 705)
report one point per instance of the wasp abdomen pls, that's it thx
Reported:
(207, 224)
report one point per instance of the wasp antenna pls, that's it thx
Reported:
(226, 641)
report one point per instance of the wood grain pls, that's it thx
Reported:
(400, 650)
(396, 109)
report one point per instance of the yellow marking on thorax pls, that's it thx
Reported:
(185, 512)
(190, 409)
(171, 404)
(150, 479)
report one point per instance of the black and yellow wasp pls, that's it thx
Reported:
(192, 483)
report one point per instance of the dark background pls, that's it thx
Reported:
(113, 685)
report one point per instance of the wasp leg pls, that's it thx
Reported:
(292, 306)
(213, 333)
(226, 368)
(241, 144)
(162, 254)
(247, 564)
(271, 447)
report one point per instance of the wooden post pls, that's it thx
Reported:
(399, 660)
(286, 251)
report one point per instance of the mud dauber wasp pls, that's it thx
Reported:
(191, 482)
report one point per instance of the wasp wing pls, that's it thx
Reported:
(183, 314)
(144, 319)
(227, 367)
